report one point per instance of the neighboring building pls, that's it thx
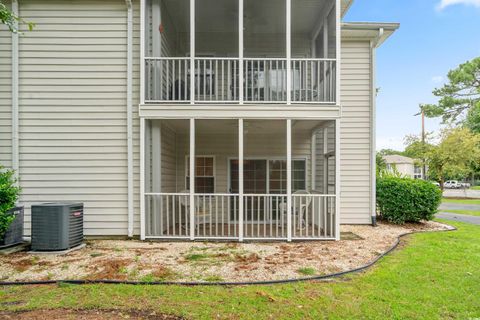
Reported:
(404, 165)
(176, 119)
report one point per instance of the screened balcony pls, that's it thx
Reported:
(280, 52)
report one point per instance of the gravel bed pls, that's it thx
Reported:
(210, 261)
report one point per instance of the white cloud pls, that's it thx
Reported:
(437, 79)
(446, 3)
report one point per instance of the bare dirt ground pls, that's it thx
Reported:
(209, 261)
(63, 314)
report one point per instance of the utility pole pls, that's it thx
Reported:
(424, 172)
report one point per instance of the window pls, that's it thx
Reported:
(417, 174)
(278, 176)
(204, 174)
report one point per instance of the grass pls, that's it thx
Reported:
(475, 188)
(466, 212)
(307, 271)
(435, 276)
(461, 201)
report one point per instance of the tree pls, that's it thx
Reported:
(381, 164)
(389, 152)
(454, 155)
(11, 20)
(460, 98)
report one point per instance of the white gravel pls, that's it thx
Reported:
(209, 261)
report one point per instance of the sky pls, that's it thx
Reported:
(435, 36)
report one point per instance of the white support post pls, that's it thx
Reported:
(240, 52)
(338, 40)
(15, 105)
(142, 178)
(192, 179)
(192, 52)
(240, 179)
(156, 186)
(142, 51)
(325, 160)
(313, 160)
(289, 50)
(337, 179)
(289, 180)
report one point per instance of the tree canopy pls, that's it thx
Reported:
(459, 99)
(11, 20)
(454, 155)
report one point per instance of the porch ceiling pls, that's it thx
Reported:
(260, 16)
(229, 126)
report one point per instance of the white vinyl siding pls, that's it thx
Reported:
(355, 143)
(73, 142)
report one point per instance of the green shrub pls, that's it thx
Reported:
(9, 193)
(401, 200)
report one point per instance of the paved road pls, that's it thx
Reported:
(461, 193)
(444, 214)
(459, 206)
(458, 217)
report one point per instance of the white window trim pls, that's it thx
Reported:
(187, 171)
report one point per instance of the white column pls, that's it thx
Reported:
(337, 179)
(192, 51)
(240, 179)
(142, 179)
(240, 51)
(289, 180)
(156, 187)
(313, 160)
(142, 51)
(192, 179)
(289, 51)
(339, 55)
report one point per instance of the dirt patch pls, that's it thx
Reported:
(209, 261)
(111, 269)
(57, 314)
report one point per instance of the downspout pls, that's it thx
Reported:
(130, 116)
(373, 163)
(15, 116)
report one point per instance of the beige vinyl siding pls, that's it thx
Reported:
(355, 143)
(73, 142)
(5, 97)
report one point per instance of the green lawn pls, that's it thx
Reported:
(475, 188)
(466, 212)
(435, 276)
(461, 201)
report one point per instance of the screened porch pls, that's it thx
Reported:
(240, 179)
(240, 51)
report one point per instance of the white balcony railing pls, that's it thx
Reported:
(265, 216)
(217, 80)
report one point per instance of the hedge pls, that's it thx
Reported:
(401, 200)
(9, 193)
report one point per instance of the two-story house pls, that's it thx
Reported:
(194, 119)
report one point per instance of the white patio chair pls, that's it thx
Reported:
(299, 208)
(202, 216)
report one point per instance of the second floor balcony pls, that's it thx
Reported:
(279, 52)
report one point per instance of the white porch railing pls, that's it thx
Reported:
(216, 216)
(217, 80)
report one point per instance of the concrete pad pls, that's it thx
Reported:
(57, 253)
